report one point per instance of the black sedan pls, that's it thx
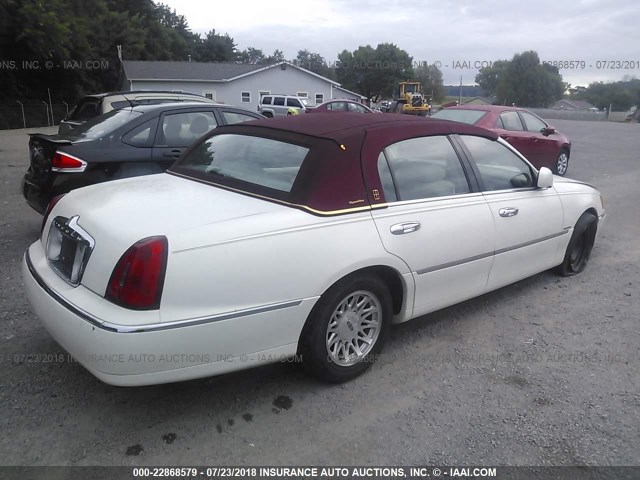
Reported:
(129, 142)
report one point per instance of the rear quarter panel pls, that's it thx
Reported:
(249, 262)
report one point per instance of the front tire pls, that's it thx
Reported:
(562, 163)
(346, 329)
(579, 249)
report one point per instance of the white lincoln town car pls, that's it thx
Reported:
(302, 236)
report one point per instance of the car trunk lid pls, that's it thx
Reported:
(120, 213)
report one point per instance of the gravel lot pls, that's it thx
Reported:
(543, 372)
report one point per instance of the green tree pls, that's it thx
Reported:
(578, 92)
(488, 77)
(215, 48)
(432, 83)
(313, 62)
(374, 73)
(527, 82)
(251, 55)
(276, 57)
(72, 32)
(619, 95)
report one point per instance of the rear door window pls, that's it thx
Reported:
(511, 121)
(423, 167)
(337, 106)
(182, 129)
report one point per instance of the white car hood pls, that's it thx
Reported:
(564, 184)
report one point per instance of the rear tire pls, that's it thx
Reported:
(562, 163)
(346, 329)
(579, 249)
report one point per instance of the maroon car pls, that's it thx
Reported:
(542, 144)
(341, 106)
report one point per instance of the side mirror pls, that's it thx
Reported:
(545, 178)
(548, 130)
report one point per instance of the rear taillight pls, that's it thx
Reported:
(63, 162)
(52, 203)
(138, 278)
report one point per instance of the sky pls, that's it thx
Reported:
(597, 40)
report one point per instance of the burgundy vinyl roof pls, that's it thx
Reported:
(337, 127)
(344, 149)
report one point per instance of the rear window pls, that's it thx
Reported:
(260, 161)
(463, 116)
(104, 124)
(86, 110)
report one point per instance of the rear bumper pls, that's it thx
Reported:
(36, 197)
(128, 357)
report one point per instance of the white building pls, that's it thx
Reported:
(236, 84)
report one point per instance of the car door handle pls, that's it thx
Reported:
(508, 212)
(172, 153)
(402, 228)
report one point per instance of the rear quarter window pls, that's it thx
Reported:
(142, 135)
(237, 117)
(265, 162)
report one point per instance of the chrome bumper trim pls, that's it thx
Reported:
(96, 322)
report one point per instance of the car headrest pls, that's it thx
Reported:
(199, 125)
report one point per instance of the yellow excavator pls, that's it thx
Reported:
(409, 99)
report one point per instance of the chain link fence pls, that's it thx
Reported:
(32, 114)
